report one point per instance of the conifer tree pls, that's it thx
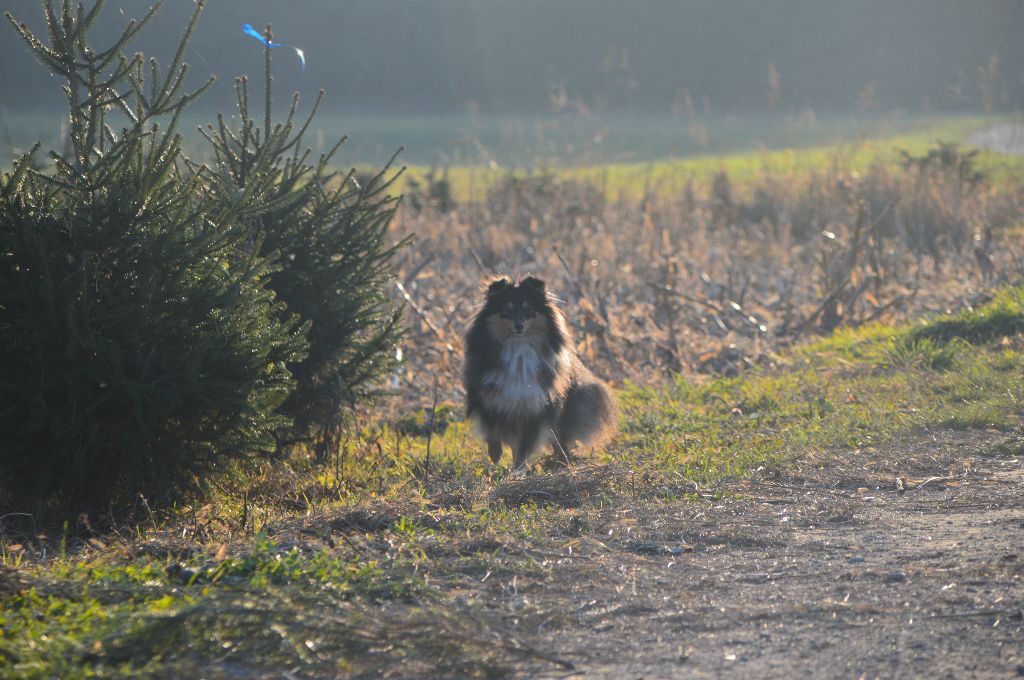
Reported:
(328, 236)
(140, 347)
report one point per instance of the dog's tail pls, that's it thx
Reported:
(590, 416)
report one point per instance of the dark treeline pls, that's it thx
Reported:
(444, 56)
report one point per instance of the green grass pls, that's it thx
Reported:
(859, 387)
(669, 176)
(637, 155)
(1003, 316)
(538, 140)
(119, 616)
(364, 596)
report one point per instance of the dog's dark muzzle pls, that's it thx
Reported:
(519, 321)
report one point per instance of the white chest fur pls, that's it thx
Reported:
(516, 379)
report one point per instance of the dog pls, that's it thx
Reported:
(525, 386)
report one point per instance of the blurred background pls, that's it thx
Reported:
(533, 82)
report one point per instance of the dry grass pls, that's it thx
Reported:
(566, 489)
(718, 277)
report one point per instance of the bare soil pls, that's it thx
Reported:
(899, 561)
(830, 570)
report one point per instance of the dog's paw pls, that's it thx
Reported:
(519, 472)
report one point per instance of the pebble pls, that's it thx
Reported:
(895, 577)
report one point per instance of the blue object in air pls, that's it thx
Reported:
(249, 30)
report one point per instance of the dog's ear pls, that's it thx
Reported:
(497, 285)
(534, 285)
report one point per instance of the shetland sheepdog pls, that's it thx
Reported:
(525, 386)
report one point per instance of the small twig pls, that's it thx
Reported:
(245, 510)
(775, 501)
(423, 315)
(478, 260)
(430, 434)
(606, 331)
(415, 271)
(568, 464)
(568, 272)
(149, 510)
(975, 612)
(932, 479)
(15, 514)
(714, 307)
(515, 644)
(558, 556)
(527, 492)
(811, 489)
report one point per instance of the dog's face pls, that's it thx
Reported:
(517, 310)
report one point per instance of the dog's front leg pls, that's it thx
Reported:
(531, 440)
(494, 450)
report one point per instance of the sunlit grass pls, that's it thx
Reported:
(670, 176)
(747, 148)
(247, 595)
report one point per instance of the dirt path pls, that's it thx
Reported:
(827, 567)
(832, 573)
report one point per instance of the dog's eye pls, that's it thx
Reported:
(528, 311)
(506, 311)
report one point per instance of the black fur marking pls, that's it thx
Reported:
(533, 284)
(497, 286)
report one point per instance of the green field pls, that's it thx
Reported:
(630, 154)
(846, 149)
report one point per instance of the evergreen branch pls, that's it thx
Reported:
(309, 119)
(48, 57)
(90, 18)
(67, 19)
(78, 36)
(154, 85)
(267, 81)
(14, 181)
(130, 31)
(53, 26)
(186, 37)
